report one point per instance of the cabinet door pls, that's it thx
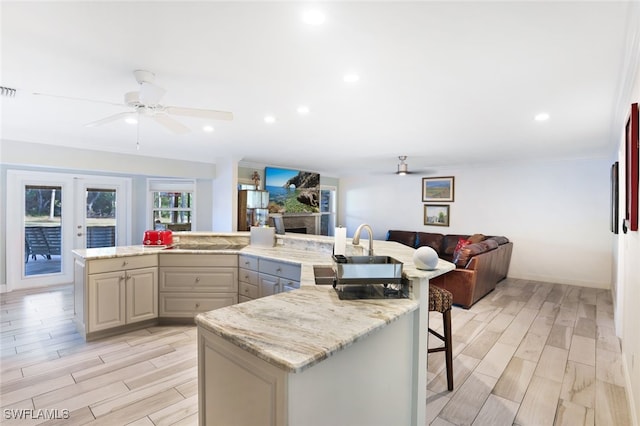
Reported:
(107, 300)
(142, 294)
(268, 285)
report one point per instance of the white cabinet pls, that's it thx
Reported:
(276, 277)
(194, 283)
(259, 277)
(248, 280)
(116, 292)
(247, 284)
(269, 285)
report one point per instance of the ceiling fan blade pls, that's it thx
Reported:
(172, 125)
(115, 117)
(199, 113)
(72, 98)
(150, 94)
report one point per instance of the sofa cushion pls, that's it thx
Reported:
(469, 250)
(430, 239)
(476, 238)
(407, 238)
(499, 240)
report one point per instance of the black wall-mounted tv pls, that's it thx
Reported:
(292, 191)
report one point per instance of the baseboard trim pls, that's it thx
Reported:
(560, 280)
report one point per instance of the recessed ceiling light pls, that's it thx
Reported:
(303, 110)
(208, 129)
(313, 17)
(543, 116)
(351, 78)
(269, 119)
(131, 120)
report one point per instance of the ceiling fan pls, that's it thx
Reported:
(146, 101)
(403, 167)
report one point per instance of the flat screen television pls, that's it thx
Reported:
(292, 191)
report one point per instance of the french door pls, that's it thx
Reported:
(102, 216)
(48, 217)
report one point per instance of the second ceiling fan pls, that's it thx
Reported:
(146, 101)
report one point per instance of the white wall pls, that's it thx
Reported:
(628, 272)
(555, 212)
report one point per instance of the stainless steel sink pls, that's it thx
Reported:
(324, 275)
(368, 270)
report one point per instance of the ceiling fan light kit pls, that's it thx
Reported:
(403, 168)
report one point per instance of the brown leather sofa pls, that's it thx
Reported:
(480, 265)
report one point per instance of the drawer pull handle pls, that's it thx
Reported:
(197, 279)
(279, 270)
(197, 305)
(124, 263)
(123, 277)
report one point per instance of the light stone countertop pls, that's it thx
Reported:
(296, 329)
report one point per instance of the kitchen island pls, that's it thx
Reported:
(301, 357)
(308, 357)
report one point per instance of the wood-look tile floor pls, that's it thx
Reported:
(531, 353)
(527, 354)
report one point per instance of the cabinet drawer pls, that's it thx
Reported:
(184, 259)
(98, 266)
(250, 277)
(175, 305)
(248, 262)
(280, 269)
(218, 280)
(248, 290)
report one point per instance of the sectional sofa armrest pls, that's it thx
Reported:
(461, 283)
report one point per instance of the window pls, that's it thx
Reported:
(172, 204)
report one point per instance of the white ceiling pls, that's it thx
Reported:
(442, 82)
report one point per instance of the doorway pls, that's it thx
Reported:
(48, 216)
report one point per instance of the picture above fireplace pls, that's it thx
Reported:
(292, 191)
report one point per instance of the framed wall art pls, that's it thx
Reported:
(436, 214)
(631, 169)
(615, 197)
(437, 189)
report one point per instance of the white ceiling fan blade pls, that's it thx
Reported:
(199, 113)
(171, 124)
(150, 94)
(72, 98)
(115, 117)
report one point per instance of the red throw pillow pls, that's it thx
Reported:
(456, 252)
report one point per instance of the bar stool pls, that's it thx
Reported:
(440, 301)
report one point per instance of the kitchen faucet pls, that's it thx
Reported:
(356, 237)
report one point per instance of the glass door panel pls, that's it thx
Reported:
(328, 210)
(100, 217)
(42, 230)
